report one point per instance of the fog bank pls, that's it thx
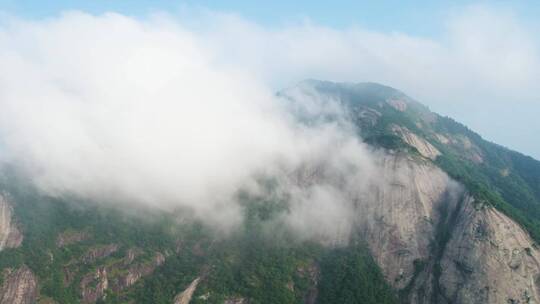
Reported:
(109, 108)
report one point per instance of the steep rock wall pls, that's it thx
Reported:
(398, 215)
(20, 286)
(489, 259)
(435, 244)
(10, 235)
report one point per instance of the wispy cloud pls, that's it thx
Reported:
(485, 62)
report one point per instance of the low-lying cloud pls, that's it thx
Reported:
(158, 113)
(113, 109)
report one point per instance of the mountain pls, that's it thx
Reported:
(481, 245)
(452, 218)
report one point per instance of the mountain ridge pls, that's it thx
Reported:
(498, 157)
(445, 199)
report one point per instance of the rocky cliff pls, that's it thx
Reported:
(19, 286)
(94, 285)
(436, 244)
(185, 296)
(489, 259)
(399, 215)
(116, 276)
(10, 235)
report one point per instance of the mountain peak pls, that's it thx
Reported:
(373, 88)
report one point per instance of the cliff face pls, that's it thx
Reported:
(10, 235)
(132, 272)
(99, 252)
(20, 286)
(435, 244)
(116, 276)
(185, 296)
(94, 285)
(399, 214)
(424, 147)
(489, 259)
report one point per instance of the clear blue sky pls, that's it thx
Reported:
(412, 17)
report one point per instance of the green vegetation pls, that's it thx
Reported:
(42, 219)
(251, 263)
(351, 276)
(268, 268)
(503, 178)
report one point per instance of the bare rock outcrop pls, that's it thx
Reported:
(398, 104)
(99, 252)
(435, 244)
(20, 286)
(463, 145)
(311, 272)
(115, 276)
(185, 296)
(94, 285)
(10, 235)
(398, 214)
(130, 256)
(423, 146)
(132, 273)
(489, 259)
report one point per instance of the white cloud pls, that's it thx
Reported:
(486, 61)
(161, 113)
(115, 109)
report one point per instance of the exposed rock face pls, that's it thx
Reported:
(134, 272)
(398, 104)
(489, 259)
(10, 235)
(19, 287)
(312, 273)
(463, 145)
(423, 146)
(131, 254)
(93, 285)
(185, 296)
(398, 214)
(99, 252)
(417, 220)
(71, 237)
(116, 276)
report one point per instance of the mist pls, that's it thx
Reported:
(160, 113)
(484, 60)
(111, 109)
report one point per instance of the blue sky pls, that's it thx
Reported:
(476, 61)
(413, 17)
